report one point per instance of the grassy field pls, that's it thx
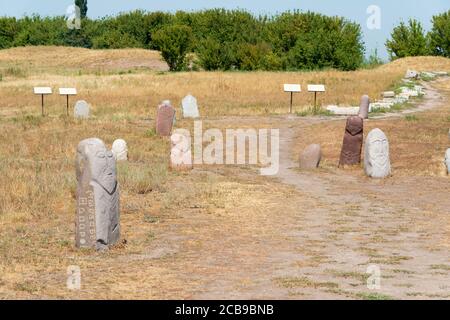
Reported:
(217, 232)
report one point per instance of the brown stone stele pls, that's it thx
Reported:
(164, 120)
(353, 141)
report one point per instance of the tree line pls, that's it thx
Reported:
(410, 39)
(215, 39)
(220, 39)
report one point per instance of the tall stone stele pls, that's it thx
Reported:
(353, 140)
(377, 163)
(165, 118)
(364, 107)
(98, 216)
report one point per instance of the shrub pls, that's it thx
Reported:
(407, 40)
(174, 42)
(440, 35)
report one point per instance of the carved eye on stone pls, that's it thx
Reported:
(101, 154)
(109, 154)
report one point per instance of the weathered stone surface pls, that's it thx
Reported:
(181, 154)
(165, 119)
(120, 150)
(411, 74)
(311, 157)
(190, 107)
(389, 94)
(343, 111)
(81, 110)
(377, 162)
(353, 140)
(447, 160)
(98, 216)
(364, 107)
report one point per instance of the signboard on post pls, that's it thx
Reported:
(292, 88)
(67, 92)
(316, 88)
(42, 91)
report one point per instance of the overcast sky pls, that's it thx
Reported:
(392, 11)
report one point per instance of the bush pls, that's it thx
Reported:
(174, 42)
(408, 40)
(440, 35)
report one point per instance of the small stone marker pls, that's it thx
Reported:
(120, 150)
(447, 160)
(165, 118)
(292, 88)
(181, 154)
(353, 140)
(98, 216)
(190, 107)
(377, 162)
(389, 94)
(364, 107)
(81, 110)
(42, 91)
(67, 92)
(311, 157)
(411, 74)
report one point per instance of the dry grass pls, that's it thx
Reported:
(114, 92)
(175, 224)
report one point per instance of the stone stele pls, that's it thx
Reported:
(98, 216)
(120, 150)
(81, 110)
(353, 140)
(190, 107)
(447, 160)
(181, 153)
(311, 157)
(364, 107)
(165, 119)
(377, 162)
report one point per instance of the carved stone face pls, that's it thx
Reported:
(377, 162)
(101, 162)
(379, 150)
(355, 125)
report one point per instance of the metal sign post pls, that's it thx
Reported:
(67, 92)
(316, 88)
(42, 91)
(291, 88)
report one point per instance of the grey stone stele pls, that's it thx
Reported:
(364, 107)
(377, 162)
(447, 160)
(190, 107)
(98, 197)
(81, 110)
(311, 157)
(120, 150)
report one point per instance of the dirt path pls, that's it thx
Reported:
(351, 222)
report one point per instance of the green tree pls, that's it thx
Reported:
(440, 35)
(82, 4)
(174, 42)
(408, 40)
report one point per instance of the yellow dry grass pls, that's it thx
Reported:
(172, 222)
(114, 92)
